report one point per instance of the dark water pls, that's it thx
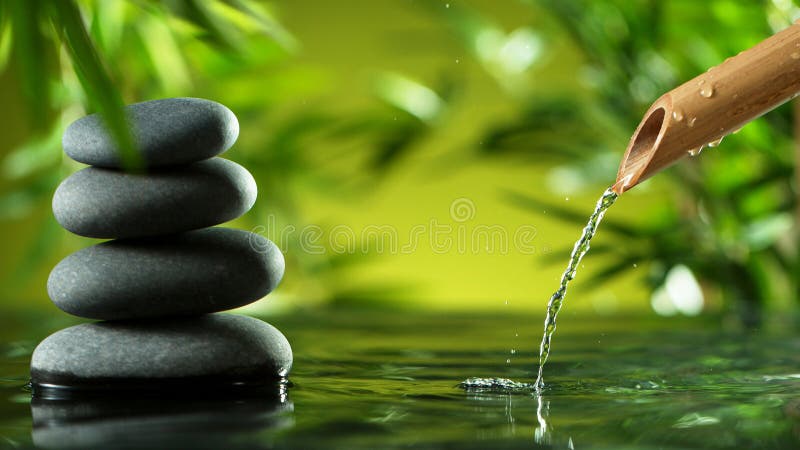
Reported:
(390, 380)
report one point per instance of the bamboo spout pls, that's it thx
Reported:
(714, 104)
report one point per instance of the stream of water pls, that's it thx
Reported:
(553, 306)
(557, 300)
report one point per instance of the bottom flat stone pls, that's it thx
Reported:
(191, 352)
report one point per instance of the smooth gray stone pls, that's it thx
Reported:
(222, 348)
(167, 132)
(107, 203)
(196, 272)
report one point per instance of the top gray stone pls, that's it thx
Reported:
(168, 132)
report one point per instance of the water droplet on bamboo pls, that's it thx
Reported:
(706, 91)
(696, 151)
(691, 121)
(677, 115)
(715, 143)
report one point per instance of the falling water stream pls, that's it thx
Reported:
(553, 306)
(581, 247)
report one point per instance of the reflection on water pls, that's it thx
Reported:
(156, 419)
(540, 435)
(483, 388)
(499, 389)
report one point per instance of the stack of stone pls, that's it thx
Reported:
(156, 285)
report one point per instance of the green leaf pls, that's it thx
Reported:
(108, 20)
(217, 30)
(166, 59)
(31, 52)
(266, 21)
(409, 96)
(95, 80)
(5, 36)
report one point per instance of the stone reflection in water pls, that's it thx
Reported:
(160, 420)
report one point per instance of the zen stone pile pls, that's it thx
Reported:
(157, 284)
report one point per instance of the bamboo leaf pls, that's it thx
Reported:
(266, 21)
(108, 19)
(30, 49)
(166, 59)
(101, 92)
(409, 96)
(396, 143)
(5, 36)
(217, 31)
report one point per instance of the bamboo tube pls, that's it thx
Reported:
(718, 102)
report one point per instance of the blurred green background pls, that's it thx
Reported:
(370, 124)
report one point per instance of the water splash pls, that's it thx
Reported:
(581, 247)
(506, 386)
(494, 385)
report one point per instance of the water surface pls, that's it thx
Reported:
(390, 380)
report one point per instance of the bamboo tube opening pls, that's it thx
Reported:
(641, 150)
(710, 106)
